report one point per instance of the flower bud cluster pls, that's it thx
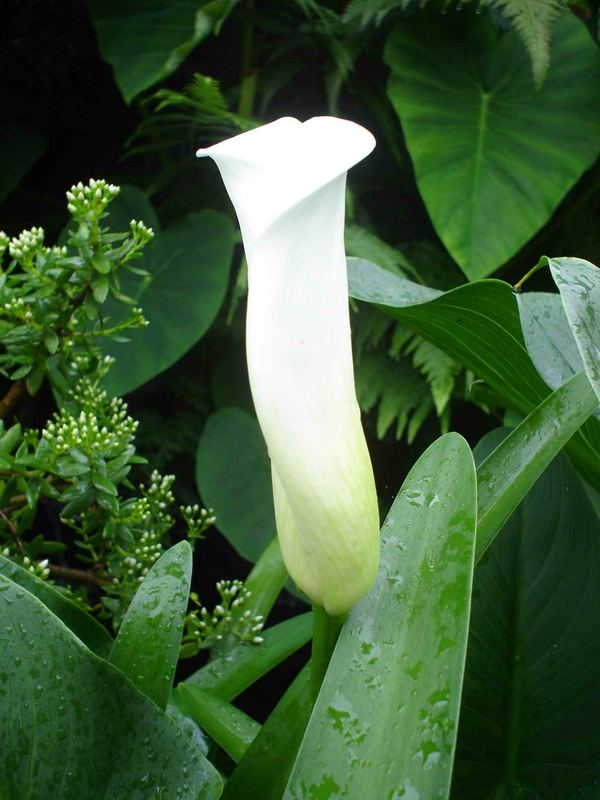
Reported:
(26, 245)
(4, 241)
(197, 520)
(230, 618)
(91, 199)
(38, 568)
(102, 426)
(141, 234)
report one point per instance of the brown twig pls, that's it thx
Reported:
(11, 397)
(76, 575)
(13, 532)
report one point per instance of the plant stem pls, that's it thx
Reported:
(76, 575)
(326, 630)
(247, 74)
(11, 397)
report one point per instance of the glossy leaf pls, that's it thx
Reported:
(263, 772)
(82, 624)
(226, 677)
(20, 148)
(492, 154)
(548, 337)
(385, 720)
(531, 699)
(266, 579)
(189, 265)
(74, 728)
(145, 42)
(578, 282)
(233, 474)
(478, 325)
(508, 473)
(147, 645)
(230, 728)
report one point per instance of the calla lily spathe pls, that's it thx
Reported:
(287, 183)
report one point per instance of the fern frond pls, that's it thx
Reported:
(438, 368)
(533, 19)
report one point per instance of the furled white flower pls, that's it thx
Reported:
(287, 183)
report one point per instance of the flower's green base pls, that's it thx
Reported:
(326, 630)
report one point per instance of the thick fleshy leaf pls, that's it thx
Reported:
(266, 579)
(147, 645)
(73, 726)
(385, 720)
(233, 475)
(189, 270)
(578, 282)
(508, 473)
(493, 156)
(226, 677)
(83, 625)
(145, 42)
(20, 148)
(264, 770)
(230, 728)
(531, 699)
(478, 325)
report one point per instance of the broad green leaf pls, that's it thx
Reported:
(478, 325)
(189, 265)
(548, 337)
(227, 676)
(385, 720)
(73, 726)
(230, 728)
(493, 155)
(266, 579)
(263, 772)
(508, 473)
(20, 148)
(531, 699)
(145, 42)
(147, 645)
(578, 282)
(83, 625)
(233, 474)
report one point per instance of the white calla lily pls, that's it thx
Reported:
(287, 183)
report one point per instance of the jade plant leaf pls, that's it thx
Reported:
(189, 265)
(147, 645)
(531, 698)
(75, 728)
(384, 723)
(492, 154)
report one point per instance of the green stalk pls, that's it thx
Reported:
(326, 630)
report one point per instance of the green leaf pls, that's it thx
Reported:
(266, 579)
(578, 282)
(20, 148)
(82, 624)
(228, 676)
(131, 203)
(231, 729)
(493, 155)
(147, 645)
(512, 468)
(146, 42)
(189, 265)
(233, 474)
(385, 720)
(478, 326)
(263, 772)
(529, 718)
(74, 728)
(548, 337)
